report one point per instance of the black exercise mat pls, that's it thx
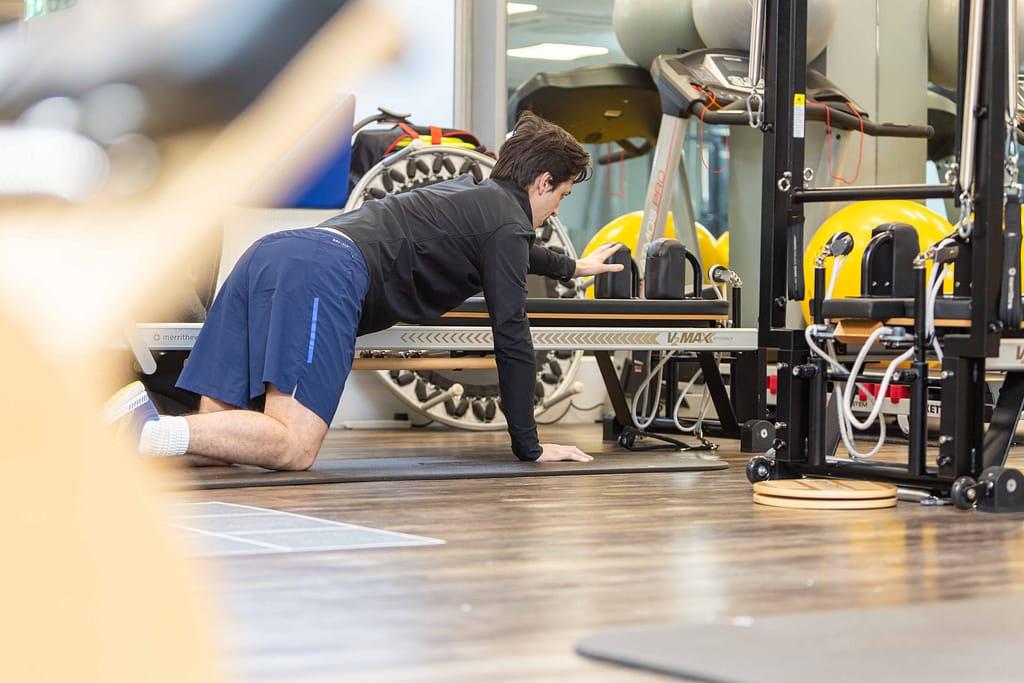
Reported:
(947, 642)
(440, 467)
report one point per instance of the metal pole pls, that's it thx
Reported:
(860, 192)
(1012, 63)
(667, 152)
(973, 79)
(756, 42)
(916, 463)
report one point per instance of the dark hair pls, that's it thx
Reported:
(536, 146)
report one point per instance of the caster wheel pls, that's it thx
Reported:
(759, 468)
(964, 493)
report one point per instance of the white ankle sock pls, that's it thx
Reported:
(166, 436)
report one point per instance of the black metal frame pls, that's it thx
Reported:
(730, 414)
(805, 436)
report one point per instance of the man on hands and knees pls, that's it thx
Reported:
(272, 358)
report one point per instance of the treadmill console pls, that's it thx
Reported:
(682, 80)
(728, 73)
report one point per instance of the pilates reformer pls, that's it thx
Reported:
(557, 326)
(460, 390)
(478, 407)
(973, 333)
(665, 327)
(716, 86)
(622, 104)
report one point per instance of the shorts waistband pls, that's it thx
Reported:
(335, 231)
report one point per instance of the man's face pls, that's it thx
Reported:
(545, 198)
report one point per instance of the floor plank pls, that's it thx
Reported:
(532, 565)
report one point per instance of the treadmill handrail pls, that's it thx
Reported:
(734, 117)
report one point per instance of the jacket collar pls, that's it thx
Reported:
(519, 195)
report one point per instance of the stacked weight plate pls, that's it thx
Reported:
(479, 407)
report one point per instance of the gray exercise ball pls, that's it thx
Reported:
(943, 18)
(726, 23)
(648, 28)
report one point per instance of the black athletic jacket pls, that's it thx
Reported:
(430, 249)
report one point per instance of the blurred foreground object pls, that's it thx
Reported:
(153, 68)
(97, 588)
(79, 268)
(92, 89)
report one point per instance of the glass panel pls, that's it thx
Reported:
(619, 185)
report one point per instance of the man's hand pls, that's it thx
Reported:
(553, 453)
(594, 262)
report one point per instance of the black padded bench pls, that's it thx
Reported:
(896, 309)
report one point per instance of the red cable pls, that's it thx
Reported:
(608, 176)
(622, 171)
(704, 161)
(828, 138)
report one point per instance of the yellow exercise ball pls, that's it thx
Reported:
(722, 244)
(626, 229)
(859, 219)
(710, 250)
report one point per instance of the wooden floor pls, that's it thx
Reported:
(533, 564)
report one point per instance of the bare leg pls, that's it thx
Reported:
(285, 436)
(209, 405)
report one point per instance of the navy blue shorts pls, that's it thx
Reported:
(287, 315)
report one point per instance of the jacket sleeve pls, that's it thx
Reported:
(544, 261)
(505, 260)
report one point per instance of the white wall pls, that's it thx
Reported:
(422, 80)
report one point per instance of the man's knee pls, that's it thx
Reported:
(306, 431)
(300, 456)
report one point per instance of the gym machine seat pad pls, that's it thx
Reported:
(882, 308)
